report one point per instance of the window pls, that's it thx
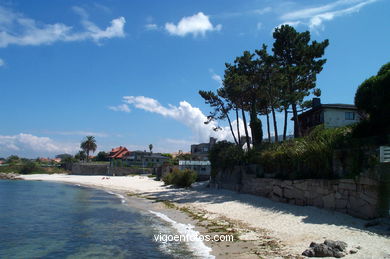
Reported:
(349, 116)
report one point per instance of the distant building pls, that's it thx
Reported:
(201, 151)
(202, 168)
(331, 115)
(118, 153)
(145, 159)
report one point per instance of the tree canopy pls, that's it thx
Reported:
(88, 144)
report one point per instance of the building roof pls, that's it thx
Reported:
(119, 152)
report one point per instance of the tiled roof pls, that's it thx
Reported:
(119, 152)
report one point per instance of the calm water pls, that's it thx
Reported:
(51, 220)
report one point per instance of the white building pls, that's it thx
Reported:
(331, 115)
(202, 168)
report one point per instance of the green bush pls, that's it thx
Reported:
(224, 155)
(28, 168)
(180, 178)
(307, 157)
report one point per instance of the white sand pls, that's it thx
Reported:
(295, 226)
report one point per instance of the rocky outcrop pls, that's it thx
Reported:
(9, 176)
(329, 248)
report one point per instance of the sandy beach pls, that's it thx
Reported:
(289, 228)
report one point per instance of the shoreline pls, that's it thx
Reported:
(182, 215)
(265, 228)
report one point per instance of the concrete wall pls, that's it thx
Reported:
(104, 169)
(336, 117)
(360, 198)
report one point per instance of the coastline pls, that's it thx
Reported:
(265, 228)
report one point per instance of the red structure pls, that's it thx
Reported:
(119, 153)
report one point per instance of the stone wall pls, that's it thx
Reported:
(359, 197)
(105, 169)
(89, 169)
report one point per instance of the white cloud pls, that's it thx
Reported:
(315, 16)
(263, 10)
(186, 114)
(217, 78)
(198, 24)
(32, 146)
(78, 133)
(151, 27)
(2, 62)
(120, 108)
(17, 29)
(259, 26)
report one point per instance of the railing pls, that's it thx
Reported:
(384, 154)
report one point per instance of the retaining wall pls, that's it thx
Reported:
(105, 169)
(361, 197)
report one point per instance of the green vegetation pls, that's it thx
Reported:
(180, 178)
(88, 145)
(307, 157)
(262, 84)
(372, 97)
(101, 157)
(28, 166)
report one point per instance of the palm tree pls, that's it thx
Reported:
(150, 148)
(89, 144)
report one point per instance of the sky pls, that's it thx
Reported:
(129, 72)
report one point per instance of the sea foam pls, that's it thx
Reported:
(197, 245)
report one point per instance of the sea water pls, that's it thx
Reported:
(53, 220)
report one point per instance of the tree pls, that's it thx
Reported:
(81, 156)
(300, 63)
(13, 159)
(221, 110)
(372, 97)
(150, 148)
(101, 156)
(89, 144)
(64, 156)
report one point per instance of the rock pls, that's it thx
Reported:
(323, 250)
(339, 245)
(9, 176)
(353, 251)
(309, 252)
(329, 248)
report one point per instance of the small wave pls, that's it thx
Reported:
(197, 246)
(120, 196)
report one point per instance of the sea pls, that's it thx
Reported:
(41, 219)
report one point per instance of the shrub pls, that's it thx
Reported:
(28, 168)
(225, 155)
(180, 178)
(372, 97)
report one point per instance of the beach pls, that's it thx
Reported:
(265, 228)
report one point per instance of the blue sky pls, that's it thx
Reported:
(128, 72)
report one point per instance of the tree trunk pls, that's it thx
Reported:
(297, 126)
(238, 127)
(256, 127)
(87, 155)
(285, 123)
(246, 129)
(231, 129)
(275, 125)
(268, 129)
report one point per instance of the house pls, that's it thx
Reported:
(118, 153)
(201, 151)
(331, 115)
(145, 159)
(202, 168)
